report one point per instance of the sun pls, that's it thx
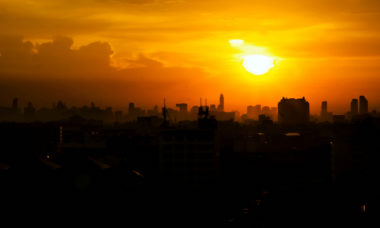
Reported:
(236, 42)
(257, 64)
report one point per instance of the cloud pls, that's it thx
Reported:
(14, 51)
(52, 71)
(138, 1)
(144, 61)
(58, 55)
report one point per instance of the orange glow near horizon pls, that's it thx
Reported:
(115, 52)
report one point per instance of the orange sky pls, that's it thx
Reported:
(113, 52)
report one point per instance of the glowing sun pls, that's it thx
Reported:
(257, 64)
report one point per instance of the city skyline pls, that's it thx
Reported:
(315, 111)
(288, 111)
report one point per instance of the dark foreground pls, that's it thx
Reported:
(117, 196)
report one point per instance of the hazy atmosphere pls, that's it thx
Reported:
(112, 52)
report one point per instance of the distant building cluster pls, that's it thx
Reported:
(288, 111)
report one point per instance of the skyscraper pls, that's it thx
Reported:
(131, 107)
(363, 105)
(324, 111)
(354, 107)
(324, 107)
(14, 104)
(221, 106)
(250, 112)
(293, 111)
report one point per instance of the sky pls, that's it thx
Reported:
(113, 52)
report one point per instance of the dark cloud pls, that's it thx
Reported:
(14, 51)
(52, 71)
(58, 55)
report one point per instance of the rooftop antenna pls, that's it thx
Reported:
(166, 115)
(206, 103)
(201, 102)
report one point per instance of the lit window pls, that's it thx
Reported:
(47, 156)
(362, 208)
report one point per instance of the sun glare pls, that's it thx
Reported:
(236, 42)
(257, 64)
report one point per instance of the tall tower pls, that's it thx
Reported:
(363, 105)
(354, 107)
(324, 108)
(221, 99)
(14, 103)
(131, 107)
(324, 111)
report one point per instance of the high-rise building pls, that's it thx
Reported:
(15, 109)
(212, 108)
(29, 111)
(182, 108)
(324, 111)
(265, 110)
(324, 107)
(194, 110)
(293, 111)
(363, 105)
(354, 107)
(131, 107)
(253, 112)
(250, 112)
(221, 106)
(14, 103)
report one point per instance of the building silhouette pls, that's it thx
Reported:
(15, 104)
(274, 113)
(324, 108)
(119, 116)
(250, 112)
(354, 107)
(14, 112)
(325, 116)
(29, 112)
(265, 110)
(221, 103)
(293, 111)
(212, 108)
(363, 105)
(182, 108)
